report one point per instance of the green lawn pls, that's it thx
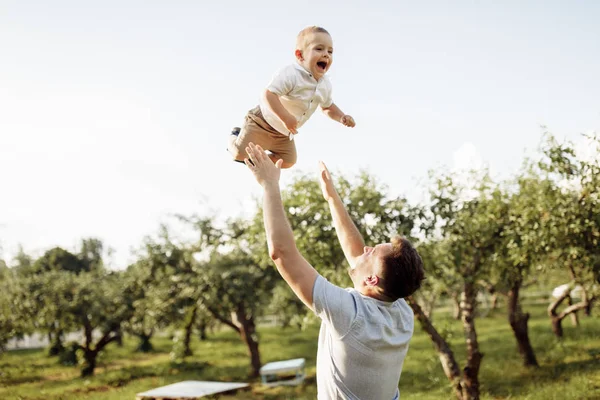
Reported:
(570, 369)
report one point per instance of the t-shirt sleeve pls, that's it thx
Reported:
(328, 98)
(282, 82)
(334, 305)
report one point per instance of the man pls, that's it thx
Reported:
(365, 330)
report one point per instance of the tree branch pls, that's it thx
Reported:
(224, 320)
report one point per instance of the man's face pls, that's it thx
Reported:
(317, 55)
(369, 263)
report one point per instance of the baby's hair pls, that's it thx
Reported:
(301, 39)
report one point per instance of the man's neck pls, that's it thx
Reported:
(375, 293)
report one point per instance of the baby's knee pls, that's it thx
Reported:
(288, 160)
(287, 164)
(237, 152)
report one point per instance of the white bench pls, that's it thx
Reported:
(189, 390)
(288, 372)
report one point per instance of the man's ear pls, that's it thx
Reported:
(372, 280)
(299, 55)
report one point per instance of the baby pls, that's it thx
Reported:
(290, 99)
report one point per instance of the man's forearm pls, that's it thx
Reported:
(334, 112)
(280, 237)
(350, 238)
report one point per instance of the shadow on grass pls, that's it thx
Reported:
(18, 380)
(123, 376)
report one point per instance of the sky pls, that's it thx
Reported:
(115, 114)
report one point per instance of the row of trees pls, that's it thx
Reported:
(474, 235)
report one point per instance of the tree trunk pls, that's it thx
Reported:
(144, 345)
(494, 301)
(574, 317)
(471, 371)
(56, 344)
(119, 339)
(557, 318)
(89, 364)
(90, 352)
(518, 323)
(189, 326)
(202, 329)
(455, 300)
(557, 327)
(442, 347)
(249, 336)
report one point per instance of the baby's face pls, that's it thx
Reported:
(317, 55)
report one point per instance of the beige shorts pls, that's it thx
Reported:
(256, 130)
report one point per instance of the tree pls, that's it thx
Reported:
(90, 254)
(22, 263)
(58, 259)
(13, 323)
(468, 229)
(61, 301)
(237, 293)
(153, 296)
(42, 299)
(97, 303)
(574, 221)
(524, 246)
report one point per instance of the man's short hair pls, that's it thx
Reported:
(302, 36)
(402, 270)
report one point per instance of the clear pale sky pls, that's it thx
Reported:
(114, 114)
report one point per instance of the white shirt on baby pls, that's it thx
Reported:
(300, 93)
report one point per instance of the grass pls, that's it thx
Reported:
(569, 368)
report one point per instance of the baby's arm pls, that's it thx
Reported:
(284, 115)
(338, 115)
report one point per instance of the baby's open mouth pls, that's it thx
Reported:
(322, 64)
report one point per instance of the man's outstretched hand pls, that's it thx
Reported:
(261, 165)
(326, 182)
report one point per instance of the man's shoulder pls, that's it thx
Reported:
(323, 282)
(402, 305)
(323, 288)
(405, 313)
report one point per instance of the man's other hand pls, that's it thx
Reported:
(326, 182)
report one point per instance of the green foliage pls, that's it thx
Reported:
(574, 222)
(12, 324)
(58, 259)
(90, 254)
(153, 290)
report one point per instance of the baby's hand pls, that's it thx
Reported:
(347, 120)
(291, 123)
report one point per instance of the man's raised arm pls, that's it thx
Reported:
(296, 271)
(350, 239)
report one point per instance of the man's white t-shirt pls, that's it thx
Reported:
(299, 92)
(362, 343)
